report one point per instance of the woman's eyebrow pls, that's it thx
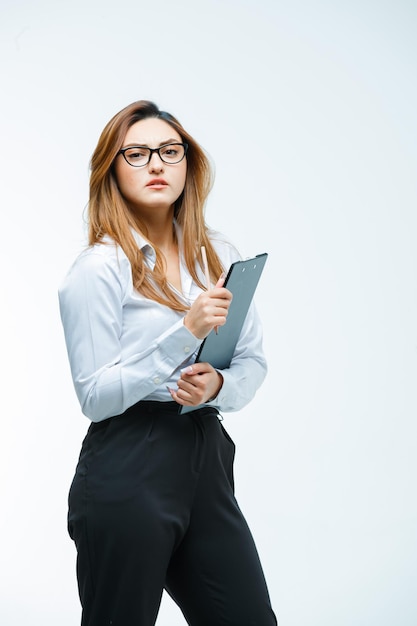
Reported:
(145, 145)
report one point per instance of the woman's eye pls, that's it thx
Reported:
(136, 154)
(170, 152)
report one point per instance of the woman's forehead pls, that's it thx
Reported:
(151, 130)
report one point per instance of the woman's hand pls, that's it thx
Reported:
(198, 384)
(209, 310)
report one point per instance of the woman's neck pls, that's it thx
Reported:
(159, 230)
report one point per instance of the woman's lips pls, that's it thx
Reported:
(157, 183)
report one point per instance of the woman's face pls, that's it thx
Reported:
(157, 185)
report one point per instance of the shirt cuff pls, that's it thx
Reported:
(178, 342)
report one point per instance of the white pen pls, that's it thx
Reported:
(207, 274)
(206, 268)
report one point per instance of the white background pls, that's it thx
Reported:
(308, 109)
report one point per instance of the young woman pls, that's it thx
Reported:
(151, 505)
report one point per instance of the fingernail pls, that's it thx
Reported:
(171, 391)
(187, 370)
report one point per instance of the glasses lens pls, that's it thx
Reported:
(137, 156)
(172, 152)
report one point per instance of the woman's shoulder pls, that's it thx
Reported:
(100, 261)
(107, 252)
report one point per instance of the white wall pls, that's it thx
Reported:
(308, 109)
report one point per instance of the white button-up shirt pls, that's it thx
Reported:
(123, 347)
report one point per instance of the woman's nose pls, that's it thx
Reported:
(155, 163)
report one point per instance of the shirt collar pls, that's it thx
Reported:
(141, 242)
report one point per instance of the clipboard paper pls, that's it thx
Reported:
(242, 280)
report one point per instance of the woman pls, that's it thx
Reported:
(151, 505)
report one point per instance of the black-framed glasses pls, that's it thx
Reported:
(138, 156)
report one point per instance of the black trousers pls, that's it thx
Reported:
(152, 506)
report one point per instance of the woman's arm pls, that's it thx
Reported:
(248, 368)
(107, 381)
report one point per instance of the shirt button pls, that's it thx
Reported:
(187, 349)
(156, 380)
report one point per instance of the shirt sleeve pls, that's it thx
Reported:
(247, 369)
(91, 305)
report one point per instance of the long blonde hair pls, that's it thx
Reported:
(109, 214)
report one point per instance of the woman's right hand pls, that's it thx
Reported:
(209, 310)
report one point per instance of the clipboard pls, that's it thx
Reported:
(242, 280)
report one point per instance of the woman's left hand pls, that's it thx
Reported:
(198, 384)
